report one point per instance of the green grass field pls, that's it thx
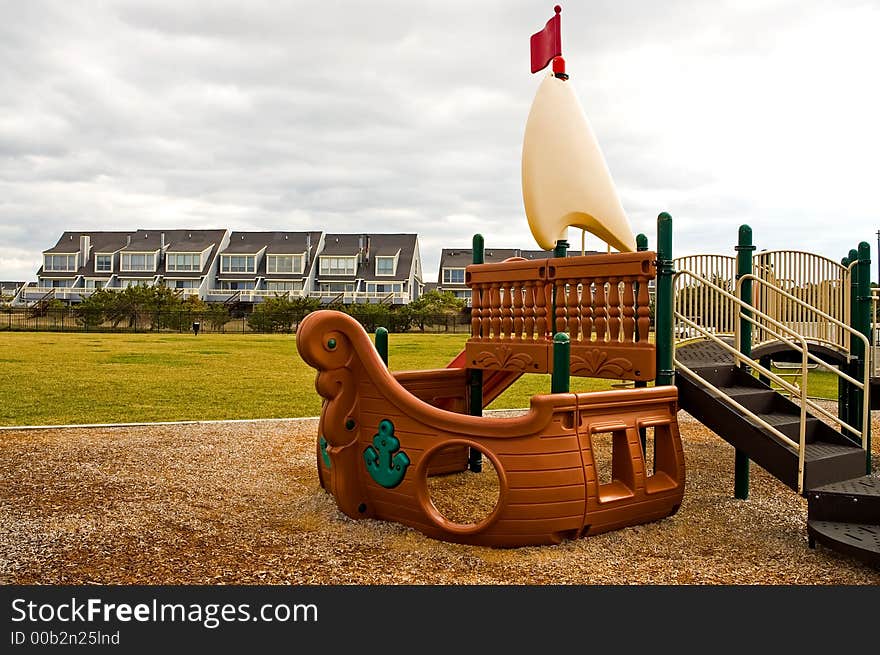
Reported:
(58, 378)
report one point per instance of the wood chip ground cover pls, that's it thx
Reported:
(240, 504)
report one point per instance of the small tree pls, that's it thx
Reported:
(280, 313)
(217, 316)
(433, 304)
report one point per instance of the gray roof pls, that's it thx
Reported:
(140, 241)
(100, 242)
(275, 243)
(375, 245)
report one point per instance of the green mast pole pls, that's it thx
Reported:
(475, 457)
(663, 304)
(864, 326)
(641, 246)
(744, 251)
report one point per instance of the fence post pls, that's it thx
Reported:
(864, 326)
(663, 304)
(475, 457)
(382, 344)
(744, 250)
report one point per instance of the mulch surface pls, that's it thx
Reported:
(240, 504)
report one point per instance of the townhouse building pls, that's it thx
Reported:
(254, 265)
(81, 262)
(369, 268)
(226, 266)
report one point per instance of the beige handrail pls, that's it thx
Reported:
(864, 384)
(800, 445)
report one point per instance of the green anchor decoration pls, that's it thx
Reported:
(322, 442)
(386, 470)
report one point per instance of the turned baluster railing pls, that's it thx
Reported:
(601, 301)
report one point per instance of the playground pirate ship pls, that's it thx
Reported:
(382, 434)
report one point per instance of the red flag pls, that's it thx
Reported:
(547, 43)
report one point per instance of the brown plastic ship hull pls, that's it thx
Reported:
(378, 443)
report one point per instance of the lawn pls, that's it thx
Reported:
(58, 378)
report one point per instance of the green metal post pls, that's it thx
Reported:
(641, 246)
(744, 250)
(864, 326)
(382, 344)
(475, 457)
(851, 416)
(842, 393)
(663, 305)
(559, 381)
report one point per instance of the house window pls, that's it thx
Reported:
(385, 265)
(284, 286)
(57, 284)
(185, 284)
(337, 265)
(95, 284)
(385, 288)
(59, 263)
(336, 287)
(453, 276)
(136, 283)
(138, 261)
(103, 263)
(236, 286)
(284, 263)
(238, 264)
(183, 262)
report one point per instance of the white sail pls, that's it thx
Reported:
(565, 179)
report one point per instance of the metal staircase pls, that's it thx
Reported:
(761, 422)
(813, 310)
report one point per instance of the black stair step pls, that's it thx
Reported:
(852, 501)
(790, 425)
(860, 540)
(865, 486)
(755, 399)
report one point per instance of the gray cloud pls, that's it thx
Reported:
(393, 116)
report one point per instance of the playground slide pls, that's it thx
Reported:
(380, 434)
(495, 383)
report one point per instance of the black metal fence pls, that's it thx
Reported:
(68, 319)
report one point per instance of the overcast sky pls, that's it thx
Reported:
(408, 117)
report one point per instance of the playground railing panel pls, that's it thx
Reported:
(697, 301)
(601, 301)
(818, 282)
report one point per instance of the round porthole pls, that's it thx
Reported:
(464, 501)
